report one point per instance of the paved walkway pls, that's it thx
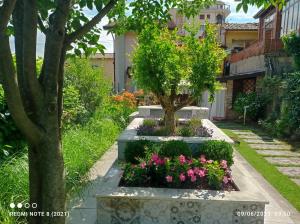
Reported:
(275, 152)
(83, 207)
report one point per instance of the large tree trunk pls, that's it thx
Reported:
(169, 119)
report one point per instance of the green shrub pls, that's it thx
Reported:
(174, 149)
(292, 97)
(185, 131)
(292, 46)
(85, 90)
(216, 150)
(256, 105)
(11, 139)
(136, 150)
(149, 122)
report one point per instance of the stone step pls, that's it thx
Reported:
(271, 146)
(241, 132)
(290, 171)
(263, 141)
(254, 136)
(284, 153)
(297, 181)
(284, 161)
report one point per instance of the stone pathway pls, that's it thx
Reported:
(275, 152)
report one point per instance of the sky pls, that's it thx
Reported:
(107, 40)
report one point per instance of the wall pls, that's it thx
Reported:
(251, 64)
(240, 35)
(124, 44)
(106, 63)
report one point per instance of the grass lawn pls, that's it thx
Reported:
(286, 187)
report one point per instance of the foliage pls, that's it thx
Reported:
(179, 172)
(118, 110)
(174, 148)
(164, 62)
(11, 140)
(193, 127)
(85, 90)
(216, 150)
(14, 187)
(292, 46)
(285, 122)
(136, 150)
(126, 98)
(244, 4)
(292, 97)
(256, 105)
(83, 146)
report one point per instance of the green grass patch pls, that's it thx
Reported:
(82, 146)
(286, 187)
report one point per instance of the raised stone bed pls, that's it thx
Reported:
(156, 111)
(130, 134)
(122, 205)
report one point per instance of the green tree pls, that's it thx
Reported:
(165, 63)
(35, 98)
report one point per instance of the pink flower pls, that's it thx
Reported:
(209, 161)
(160, 161)
(196, 170)
(202, 159)
(169, 179)
(189, 161)
(225, 180)
(193, 178)
(190, 172)
(143, 165)
(154, 157)
(182, 159)
(182, 177)
(201, 173)
(223, 164)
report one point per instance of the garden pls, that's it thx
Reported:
(92, 121)
(180, 164)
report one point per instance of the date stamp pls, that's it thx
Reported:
(263, 213)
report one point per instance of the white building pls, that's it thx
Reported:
(124, 44)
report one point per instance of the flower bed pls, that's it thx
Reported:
(185, 128)
(180, 172)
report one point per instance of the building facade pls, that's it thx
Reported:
(265, 56)
(124, 44)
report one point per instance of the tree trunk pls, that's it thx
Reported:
(169, 119)
(47, 185)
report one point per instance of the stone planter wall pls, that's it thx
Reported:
(130, 134)
(156, 111)
(122, 205)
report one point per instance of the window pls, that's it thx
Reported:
(208, 16)
(202, 16)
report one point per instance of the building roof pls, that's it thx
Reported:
(240, 26)
(263, 12)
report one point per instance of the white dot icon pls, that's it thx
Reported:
(19, 205)
(12, 205)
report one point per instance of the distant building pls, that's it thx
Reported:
(124, 44)
(265, 56)
(291, 17)
(238, 36)
(106, 63)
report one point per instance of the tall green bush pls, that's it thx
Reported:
(85, 90)
(256, 105)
